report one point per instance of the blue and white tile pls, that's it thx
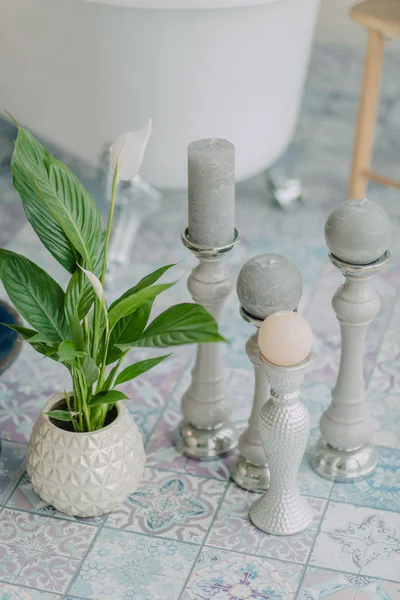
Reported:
(12, 460)
(170, 505)
(386, 373)
(222, 574)
(384, 409)
(380, 490)
(319, 584)
(232, 530)
(128, 565)
(359, 540)
(15, 592)
(41, 552)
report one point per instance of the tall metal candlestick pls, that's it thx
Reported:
(357, 233)
(266, 283)
(205, 431)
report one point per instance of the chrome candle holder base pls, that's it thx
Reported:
(343, 465)
(204, 444)
(205, 432)
(250, 477)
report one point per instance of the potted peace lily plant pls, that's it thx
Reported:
(86, 454)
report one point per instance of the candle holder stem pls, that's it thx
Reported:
(284, 428)
(250, 470)
(344, 452)
(205, 431)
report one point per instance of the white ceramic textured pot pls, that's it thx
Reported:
(85, 474)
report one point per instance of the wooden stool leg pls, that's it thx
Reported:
(364, 137)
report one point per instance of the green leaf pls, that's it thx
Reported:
(40, 347)
(24, 332)
(77, 333)
(139, 368)
(73, 207)
(57, 205)
(90, 370)
(128, 330)
(108, 396)
(181, 324)
(61, 415)
(126, 305)
(31, 181)
(144, 282)
(36, 296)
(67, 351)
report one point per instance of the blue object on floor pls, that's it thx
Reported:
(10, 342)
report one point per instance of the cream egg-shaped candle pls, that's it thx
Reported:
(285, 338)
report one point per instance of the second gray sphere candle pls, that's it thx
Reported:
(211, 191)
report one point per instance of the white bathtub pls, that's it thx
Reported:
(81, 72)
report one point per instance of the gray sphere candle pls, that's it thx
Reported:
(211, 192)
(358, 232)
(266, 283)
(269, 282)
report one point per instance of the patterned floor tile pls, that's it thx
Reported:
(381, 490)
(12, 458)
(24, 389)
(221, 574)
(321, 584)
(386, 373)
(384, 409)
(35, 533)
(232, 530)
(41, 552)
(25, 498)
(377, 589)
(359, 540)
(129, 566)
(49, 572)
(161, 453)
(311, 484)
(149, 393)
(14, 592)
(170, 505)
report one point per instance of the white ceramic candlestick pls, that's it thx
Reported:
(205, 431)
(266, 283)
(284, 428)
(250, 469)
(344, 452)
(357, 233)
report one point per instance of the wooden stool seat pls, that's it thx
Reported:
(382, 19)
(381, 15)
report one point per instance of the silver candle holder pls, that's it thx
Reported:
(205, 431)
(284, 430)
(344, 452)
(250, 469)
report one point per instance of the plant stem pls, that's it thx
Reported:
(96, 328)
(77, 398)
(67, 400)
(110, 220)
(85, 407)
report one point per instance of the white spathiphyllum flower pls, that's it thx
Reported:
(127, 152)
(96, 284)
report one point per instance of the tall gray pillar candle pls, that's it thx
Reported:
(211, 191)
